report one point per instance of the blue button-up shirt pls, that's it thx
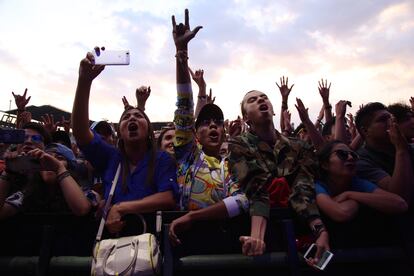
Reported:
(105, 159)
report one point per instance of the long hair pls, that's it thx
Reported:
(151, 147)
(323, 157)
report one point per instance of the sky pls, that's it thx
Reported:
(364, 48)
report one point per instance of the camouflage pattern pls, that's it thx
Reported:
(256, 164)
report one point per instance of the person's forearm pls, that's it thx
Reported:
(212, 212)
(328, 111)
(356, 142)
(314, 134)
(385, 202)
(258, 227)
(201, 100)
(80, 113)
(73, 195)
(341, 212)
(340, 128)
(183, 75)
(152, 203)
(282, 109)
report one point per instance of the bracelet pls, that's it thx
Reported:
(62, 176)
(202, 97)
(328, 106)
(284, 105)
(182, 55)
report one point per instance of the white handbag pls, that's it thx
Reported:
(133, 255)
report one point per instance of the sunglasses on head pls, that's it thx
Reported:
(37, 138)
(207, 122)
(343, 154)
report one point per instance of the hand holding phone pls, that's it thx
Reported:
(323, 260)
(105, 57)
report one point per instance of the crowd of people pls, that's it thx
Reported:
(325, 170)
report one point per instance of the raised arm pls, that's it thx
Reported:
(314, 134)
(198, 78)
(21, 102)
(142, 94)
(284, 92)
(80, 112)
(184, 114)
(324, 89)
(340, 127)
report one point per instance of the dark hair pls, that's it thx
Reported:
(365, 115)
(162, 133)
(40, 129)
(323, 155)
(152, 147)
(61, 137)
(401, 112)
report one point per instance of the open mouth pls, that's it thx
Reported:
(263, 107)
(132, 127)
(213, 135)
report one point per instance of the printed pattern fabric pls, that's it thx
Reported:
(255, 164)
(199, 176)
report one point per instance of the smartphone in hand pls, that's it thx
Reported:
(325, 258)
(108, 57)
(23, 165)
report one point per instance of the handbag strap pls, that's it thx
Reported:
(108, 204)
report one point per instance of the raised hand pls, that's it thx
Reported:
(125, 102)
(235, 127)
(397, 138)
(182, 33)
(142, 94)
(66, 124)
(352, 127)
(302, 110)
(210, 98)
(49, 123)
(88, 71)
(21, 101)
(284, 88)
(198, 78)
(340, 108)
(324, 90)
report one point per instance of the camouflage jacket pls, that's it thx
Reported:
(255, 164)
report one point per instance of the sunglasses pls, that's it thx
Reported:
(343, 154)
(207, 122)
(37, 138)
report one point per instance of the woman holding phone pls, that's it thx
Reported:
(148, 178)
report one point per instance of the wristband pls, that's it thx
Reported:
(202, 97)
(62, 176)
(328, 106)
(284, 105)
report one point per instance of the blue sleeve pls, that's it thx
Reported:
(98, 153)
(363, 186)
(320, 189)
(166, 172)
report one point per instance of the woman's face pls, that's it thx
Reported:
(167, 142)
(342, 161)
(133, 126)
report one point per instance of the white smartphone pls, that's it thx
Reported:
(107, 57)
(323, 261)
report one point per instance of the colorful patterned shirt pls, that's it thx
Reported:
(255, 164)
(203, 180)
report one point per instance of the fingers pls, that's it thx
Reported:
(318, 254)
(191, 72)
(115, 226)
(14, 95)
(173, 236)
(187, 18)
(196, 29)
(25, 92)
(149, 90)
(252, 246)
(291, 87)
(174, 24)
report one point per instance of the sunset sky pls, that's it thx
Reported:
(365, 48)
